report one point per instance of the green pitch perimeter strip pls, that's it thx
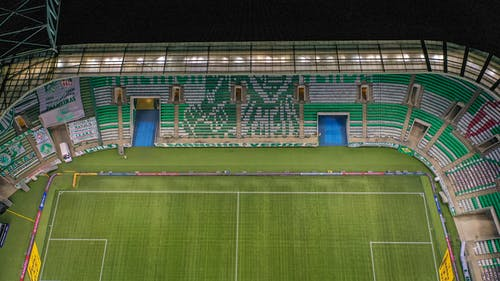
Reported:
(239, 236)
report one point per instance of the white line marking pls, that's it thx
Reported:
(103, 258)
(393, 243)
(50, 233)
(77, 239)
(430, 236)
(373, 262)
(89, 239)
(241, 192)
(384, 242)
(237, 231)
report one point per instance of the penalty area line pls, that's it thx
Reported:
(240, 192)
(89, 239)
(237, 238)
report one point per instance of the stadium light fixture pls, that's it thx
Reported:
(160, 60)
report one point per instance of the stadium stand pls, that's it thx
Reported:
(32, 116)
(208, 112)
(335, 94)
(482, 201)
(434, 104)
(19, 153)
(494, 155)
(332, 88)
(354, 110)
(446, 87)
(448, 148)
(270, 110)
(487, 246)
(434, 122)
(490, 269)
(167, 118)
(385, 120)
(482, 119)
(106, 114)
(474, 174)
(87, 97)
(390, 88)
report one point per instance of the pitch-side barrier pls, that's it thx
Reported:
(35, 227)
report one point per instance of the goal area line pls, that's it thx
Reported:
(421, 243)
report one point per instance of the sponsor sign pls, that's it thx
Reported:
(446, 268)
(34, 264)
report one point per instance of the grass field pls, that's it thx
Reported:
(90, 253)
(233, 228)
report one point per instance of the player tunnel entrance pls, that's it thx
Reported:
(332, 129)
(146, 117)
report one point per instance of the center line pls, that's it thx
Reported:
(237, 228)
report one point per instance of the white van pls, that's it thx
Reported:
(65, 152)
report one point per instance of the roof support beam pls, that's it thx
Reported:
(494, 86)
(464, 61)
(426, 55)
(485, 66)
(381, 57)
(445, 57)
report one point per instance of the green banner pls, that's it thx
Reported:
(10, 153)
(44, 142)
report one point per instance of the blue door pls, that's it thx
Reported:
(332, 130)
(146, 122)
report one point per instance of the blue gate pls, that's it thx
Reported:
(332, 130)
(146, 122)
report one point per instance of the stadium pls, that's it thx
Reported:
(238, 160)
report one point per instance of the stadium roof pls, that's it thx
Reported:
(284, 57)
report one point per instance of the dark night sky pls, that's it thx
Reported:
(470, 22)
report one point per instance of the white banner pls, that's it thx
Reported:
(66, 113)
(59, 93)
(83, 130)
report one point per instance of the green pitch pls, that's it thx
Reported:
(242, 229)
